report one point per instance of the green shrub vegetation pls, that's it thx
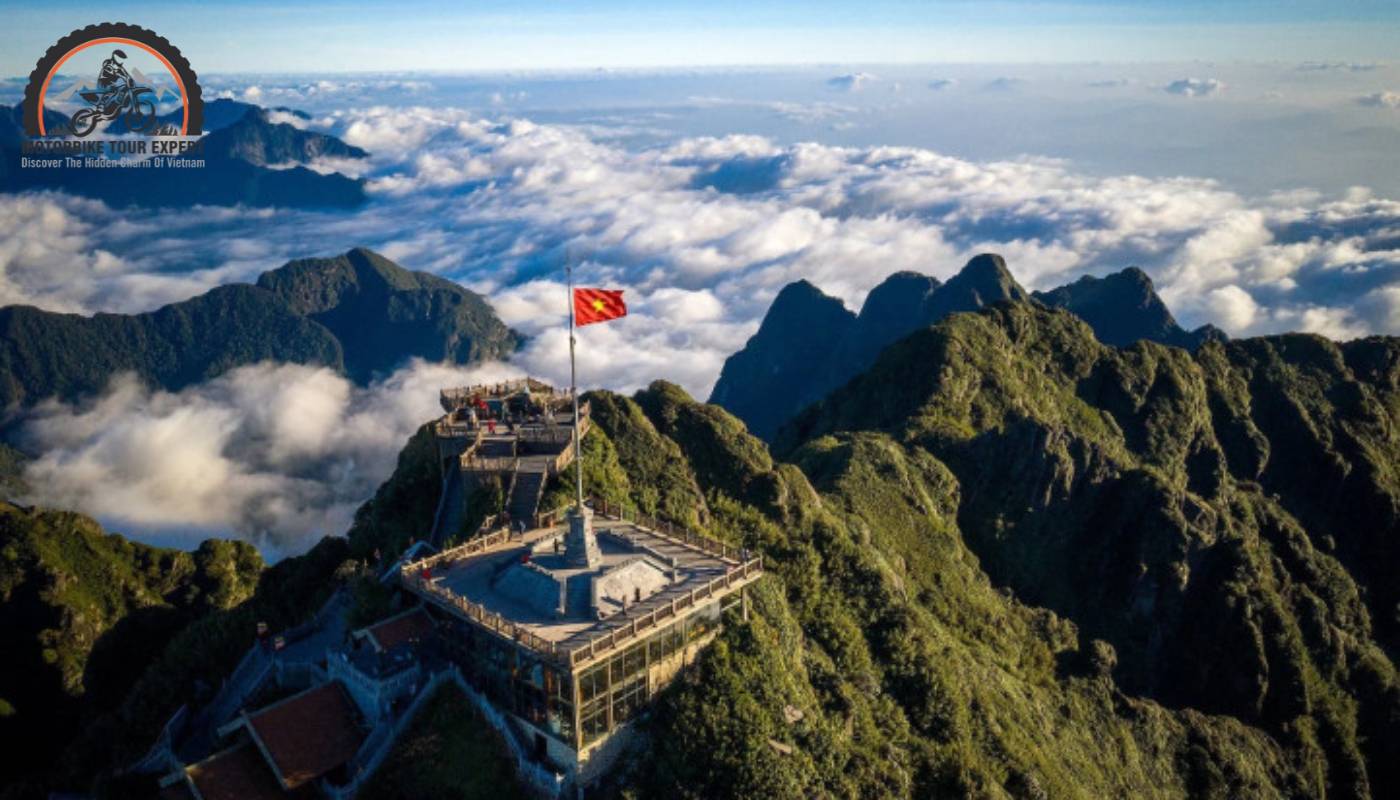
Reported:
(448, 751)
(1007, 561)
(1011, 561)
(84, 611)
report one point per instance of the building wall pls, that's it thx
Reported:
(617, 688)
(610, 693)
(373, 696)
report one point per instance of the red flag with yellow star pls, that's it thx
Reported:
(598, 305)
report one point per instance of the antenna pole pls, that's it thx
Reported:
(573, 388)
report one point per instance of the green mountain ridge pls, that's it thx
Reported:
(1006, 561)
(1011, 561)
(359, 314)
(809, 344)
(77, 604)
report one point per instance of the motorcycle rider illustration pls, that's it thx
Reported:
(120, 95)
(113, 75)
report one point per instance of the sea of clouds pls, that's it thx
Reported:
(701, 230)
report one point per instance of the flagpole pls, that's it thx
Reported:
(573, 389)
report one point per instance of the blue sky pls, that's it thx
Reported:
(337, 35)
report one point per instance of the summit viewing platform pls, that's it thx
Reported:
(516, 433)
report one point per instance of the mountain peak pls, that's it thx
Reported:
(983, 281)
(1123, 307)
(987, 274)
(766, 382)
(801, 305)
(809, 344)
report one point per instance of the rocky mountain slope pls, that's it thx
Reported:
(791, 363)
(1006, 561)
(358, 313)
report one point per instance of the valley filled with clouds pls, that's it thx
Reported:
(702, 194)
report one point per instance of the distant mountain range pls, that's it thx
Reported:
(358, 313)
(809, 343)
(249, 160)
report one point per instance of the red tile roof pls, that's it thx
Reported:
(406, 627)
(309, 734)
(235, 774)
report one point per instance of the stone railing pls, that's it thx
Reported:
(664, 529)
(468, 548)
(741, 569)
(475, 463)
(490, 620)
(455, 397)
(445, 428)
(642, 623)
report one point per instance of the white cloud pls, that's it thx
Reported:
(700, 231)
(1337, 66)
(851, 82)
(1195, 87)
(1233, 308)
(279, 455)
(1385, 99)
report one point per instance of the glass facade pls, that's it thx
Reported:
(610, 692)
(516, 681)
(616, 689)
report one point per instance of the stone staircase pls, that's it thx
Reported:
(525, 495)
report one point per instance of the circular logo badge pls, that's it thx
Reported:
(120, 78)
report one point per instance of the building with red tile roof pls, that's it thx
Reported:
(307, 735)
(408, 627)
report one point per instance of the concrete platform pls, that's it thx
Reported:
(478, 578)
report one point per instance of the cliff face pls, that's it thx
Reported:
(814, 359)
(777, 372)
(809, 343)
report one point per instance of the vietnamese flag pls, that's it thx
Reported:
(598, 305)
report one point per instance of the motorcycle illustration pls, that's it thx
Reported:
(121, 96)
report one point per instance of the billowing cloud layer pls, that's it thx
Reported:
(720, 224)
(280, 455)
